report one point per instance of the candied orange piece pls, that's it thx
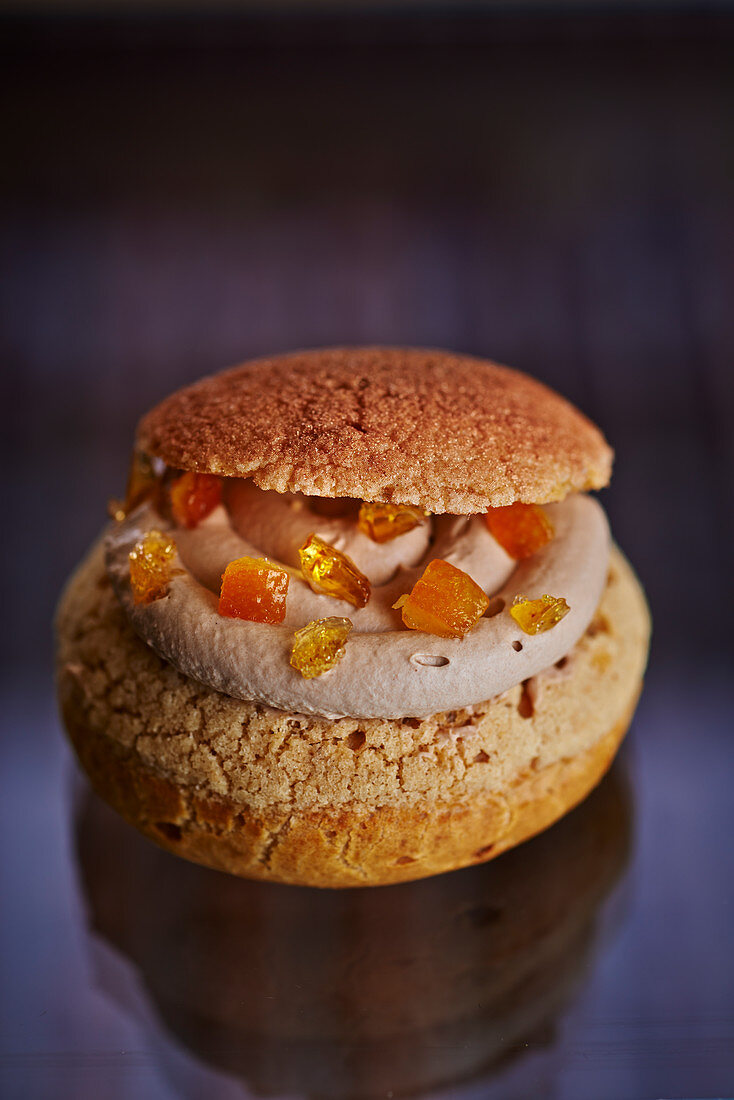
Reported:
(383, 522)
(193, 497)
(520, 529)
(444, 601)
(142, 483)
(254, 589)
(328, 570)
(537, 616)
(150, 566)
(319, 645)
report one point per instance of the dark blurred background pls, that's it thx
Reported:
(550, 186)
(555, 191)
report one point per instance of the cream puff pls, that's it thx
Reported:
(358, 620)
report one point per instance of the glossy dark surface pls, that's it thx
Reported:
(556, 193)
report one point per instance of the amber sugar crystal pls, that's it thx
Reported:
(151, 567)
(383, 522)
(520, 529)
(142, 484)
(254, 589)
(319, 645)
(537, 616)
(445, 601)
(328, 570)
(193, 497)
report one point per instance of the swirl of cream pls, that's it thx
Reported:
(463, 540)
(387, 671)
(278, 523)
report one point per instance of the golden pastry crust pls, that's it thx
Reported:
(290, 798)
(447, 432)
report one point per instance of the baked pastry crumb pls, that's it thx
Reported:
(292, 797)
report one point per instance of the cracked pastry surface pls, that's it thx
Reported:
(294, 798)
(177, 732)
(448, 432)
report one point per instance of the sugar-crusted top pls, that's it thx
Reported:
(447, 432)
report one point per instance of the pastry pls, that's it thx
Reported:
(357, 622)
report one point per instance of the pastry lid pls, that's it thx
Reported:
(447, 432)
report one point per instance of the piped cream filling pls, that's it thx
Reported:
(387, 671)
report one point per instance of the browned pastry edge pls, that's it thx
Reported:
(265, 794)
(448, 432)
(336, 848)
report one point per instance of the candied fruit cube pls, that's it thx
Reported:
(319, 645)
(537, 616)
(193, 497)
(254, 589)
(444, 601)
(520, 529)
(328, 570)
(142, 483)
(150, 567)
(383, 522)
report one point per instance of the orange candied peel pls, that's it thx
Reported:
(193, 497)
(328, 570)
(520, 529)
(319, 645)
(254, 589)
(383, 522)
(537, 616)
(150, 567)
(444, 601)
(142, 483)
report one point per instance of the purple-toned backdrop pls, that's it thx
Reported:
(553, 191)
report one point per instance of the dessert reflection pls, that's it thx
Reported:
(359, 993)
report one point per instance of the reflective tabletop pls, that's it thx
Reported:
(594, 960)
(546, 188)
